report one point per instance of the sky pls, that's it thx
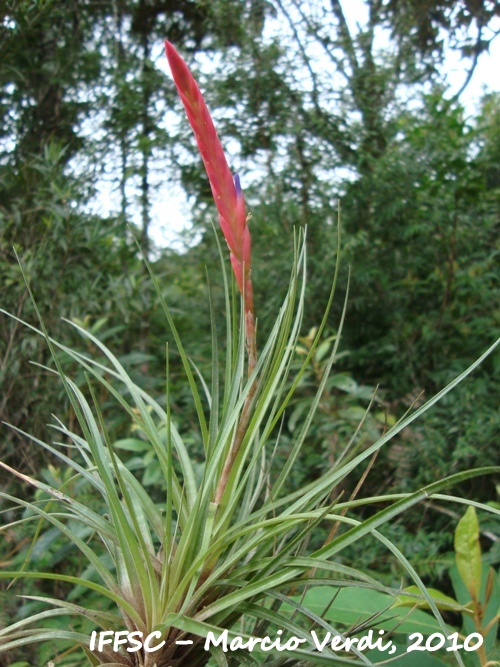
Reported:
(170, 211)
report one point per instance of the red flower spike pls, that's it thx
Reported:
(227, 192)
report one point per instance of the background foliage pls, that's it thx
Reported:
(311, 111)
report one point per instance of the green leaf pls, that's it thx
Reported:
(132, 445)
(351, 605)
(323, 349)
(411, 597)
(489, 605)
(404, 659)
(468, 552)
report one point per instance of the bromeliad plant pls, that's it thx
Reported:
(230, 204)
(230, 550)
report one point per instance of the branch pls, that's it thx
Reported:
(470, 73)
(302, 50)
(345, 35)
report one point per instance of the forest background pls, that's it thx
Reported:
(310, 115)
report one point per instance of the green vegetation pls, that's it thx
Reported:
(311, 111)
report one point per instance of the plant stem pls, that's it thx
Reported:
(246, 412)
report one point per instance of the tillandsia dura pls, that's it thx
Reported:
(226, 189)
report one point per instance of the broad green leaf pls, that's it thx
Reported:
(353, 605)
(132, 445)
(404, 659)
(411, 597)
(468, 552)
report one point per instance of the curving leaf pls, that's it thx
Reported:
(411, 597)
(468, 553)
